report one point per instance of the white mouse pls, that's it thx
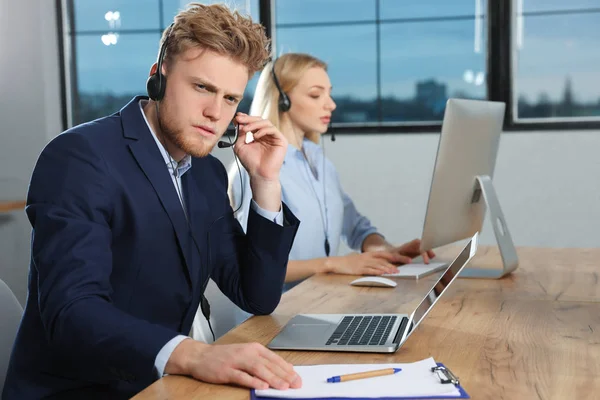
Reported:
(374, 281)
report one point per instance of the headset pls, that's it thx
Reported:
(284, 103)
(157, 82)
(223, 144)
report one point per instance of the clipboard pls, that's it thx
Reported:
(445, 374)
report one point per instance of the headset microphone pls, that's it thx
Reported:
(223, 144)
(332, 133)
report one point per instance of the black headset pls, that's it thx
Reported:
(157, 82)
(284, 101)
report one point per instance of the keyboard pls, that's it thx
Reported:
(372, 330)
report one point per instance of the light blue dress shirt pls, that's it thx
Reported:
(312, 197)
(176, 171)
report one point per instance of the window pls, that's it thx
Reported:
(393, 64)
(353, 73)
(390, 61)
(108, 76)
(113, 44)
(556, 53)
(171, 7)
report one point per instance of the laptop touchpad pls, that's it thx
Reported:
(306, 333)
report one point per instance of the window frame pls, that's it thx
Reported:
(499, 68)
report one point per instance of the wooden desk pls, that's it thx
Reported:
(532, 335)
(6, 206)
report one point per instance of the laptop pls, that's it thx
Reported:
(372, 333)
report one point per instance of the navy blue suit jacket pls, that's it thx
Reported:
(116, 272)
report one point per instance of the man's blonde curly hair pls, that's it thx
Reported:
(215, 27)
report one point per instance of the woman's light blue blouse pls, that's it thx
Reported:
(312, 197)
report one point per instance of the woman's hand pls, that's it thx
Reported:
(371, 263)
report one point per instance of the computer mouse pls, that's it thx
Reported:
(374, 281)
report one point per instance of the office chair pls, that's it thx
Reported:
(10, 318)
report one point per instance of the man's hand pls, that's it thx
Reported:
(262, 158)
(371, 263)
(249, 365)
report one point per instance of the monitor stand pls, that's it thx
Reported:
(510, 261)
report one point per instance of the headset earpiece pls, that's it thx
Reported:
(157, 82)
(284, 102)
(154, 86)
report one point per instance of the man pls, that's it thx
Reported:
(131, 217)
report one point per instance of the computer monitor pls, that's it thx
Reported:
(461, 186)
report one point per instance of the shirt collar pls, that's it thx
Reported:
(293, 153)
(182, 166)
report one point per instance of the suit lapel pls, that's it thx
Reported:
(197, 210)
(148, 156)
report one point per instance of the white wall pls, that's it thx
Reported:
(29, 115)
(547, 183)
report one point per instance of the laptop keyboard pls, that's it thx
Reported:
(372, 330)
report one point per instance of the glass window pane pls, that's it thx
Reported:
(390, 9)
(109, 76)
(244, 105)
(425, 63)
(552, 5)
(350, 52)
(246, 7)
(315, 11)
(556, 68)
(116, 15)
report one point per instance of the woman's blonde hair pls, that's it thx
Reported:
(289, 69)
(215, 27)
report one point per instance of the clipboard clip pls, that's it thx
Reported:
(445, 375)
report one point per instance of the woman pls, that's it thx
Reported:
(294, 93)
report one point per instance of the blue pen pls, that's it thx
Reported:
(362, 375)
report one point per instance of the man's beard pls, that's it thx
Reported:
(177, 136)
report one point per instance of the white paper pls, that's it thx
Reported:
(417, 270)
(415, 379)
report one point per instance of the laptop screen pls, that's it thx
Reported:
(440, 287)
